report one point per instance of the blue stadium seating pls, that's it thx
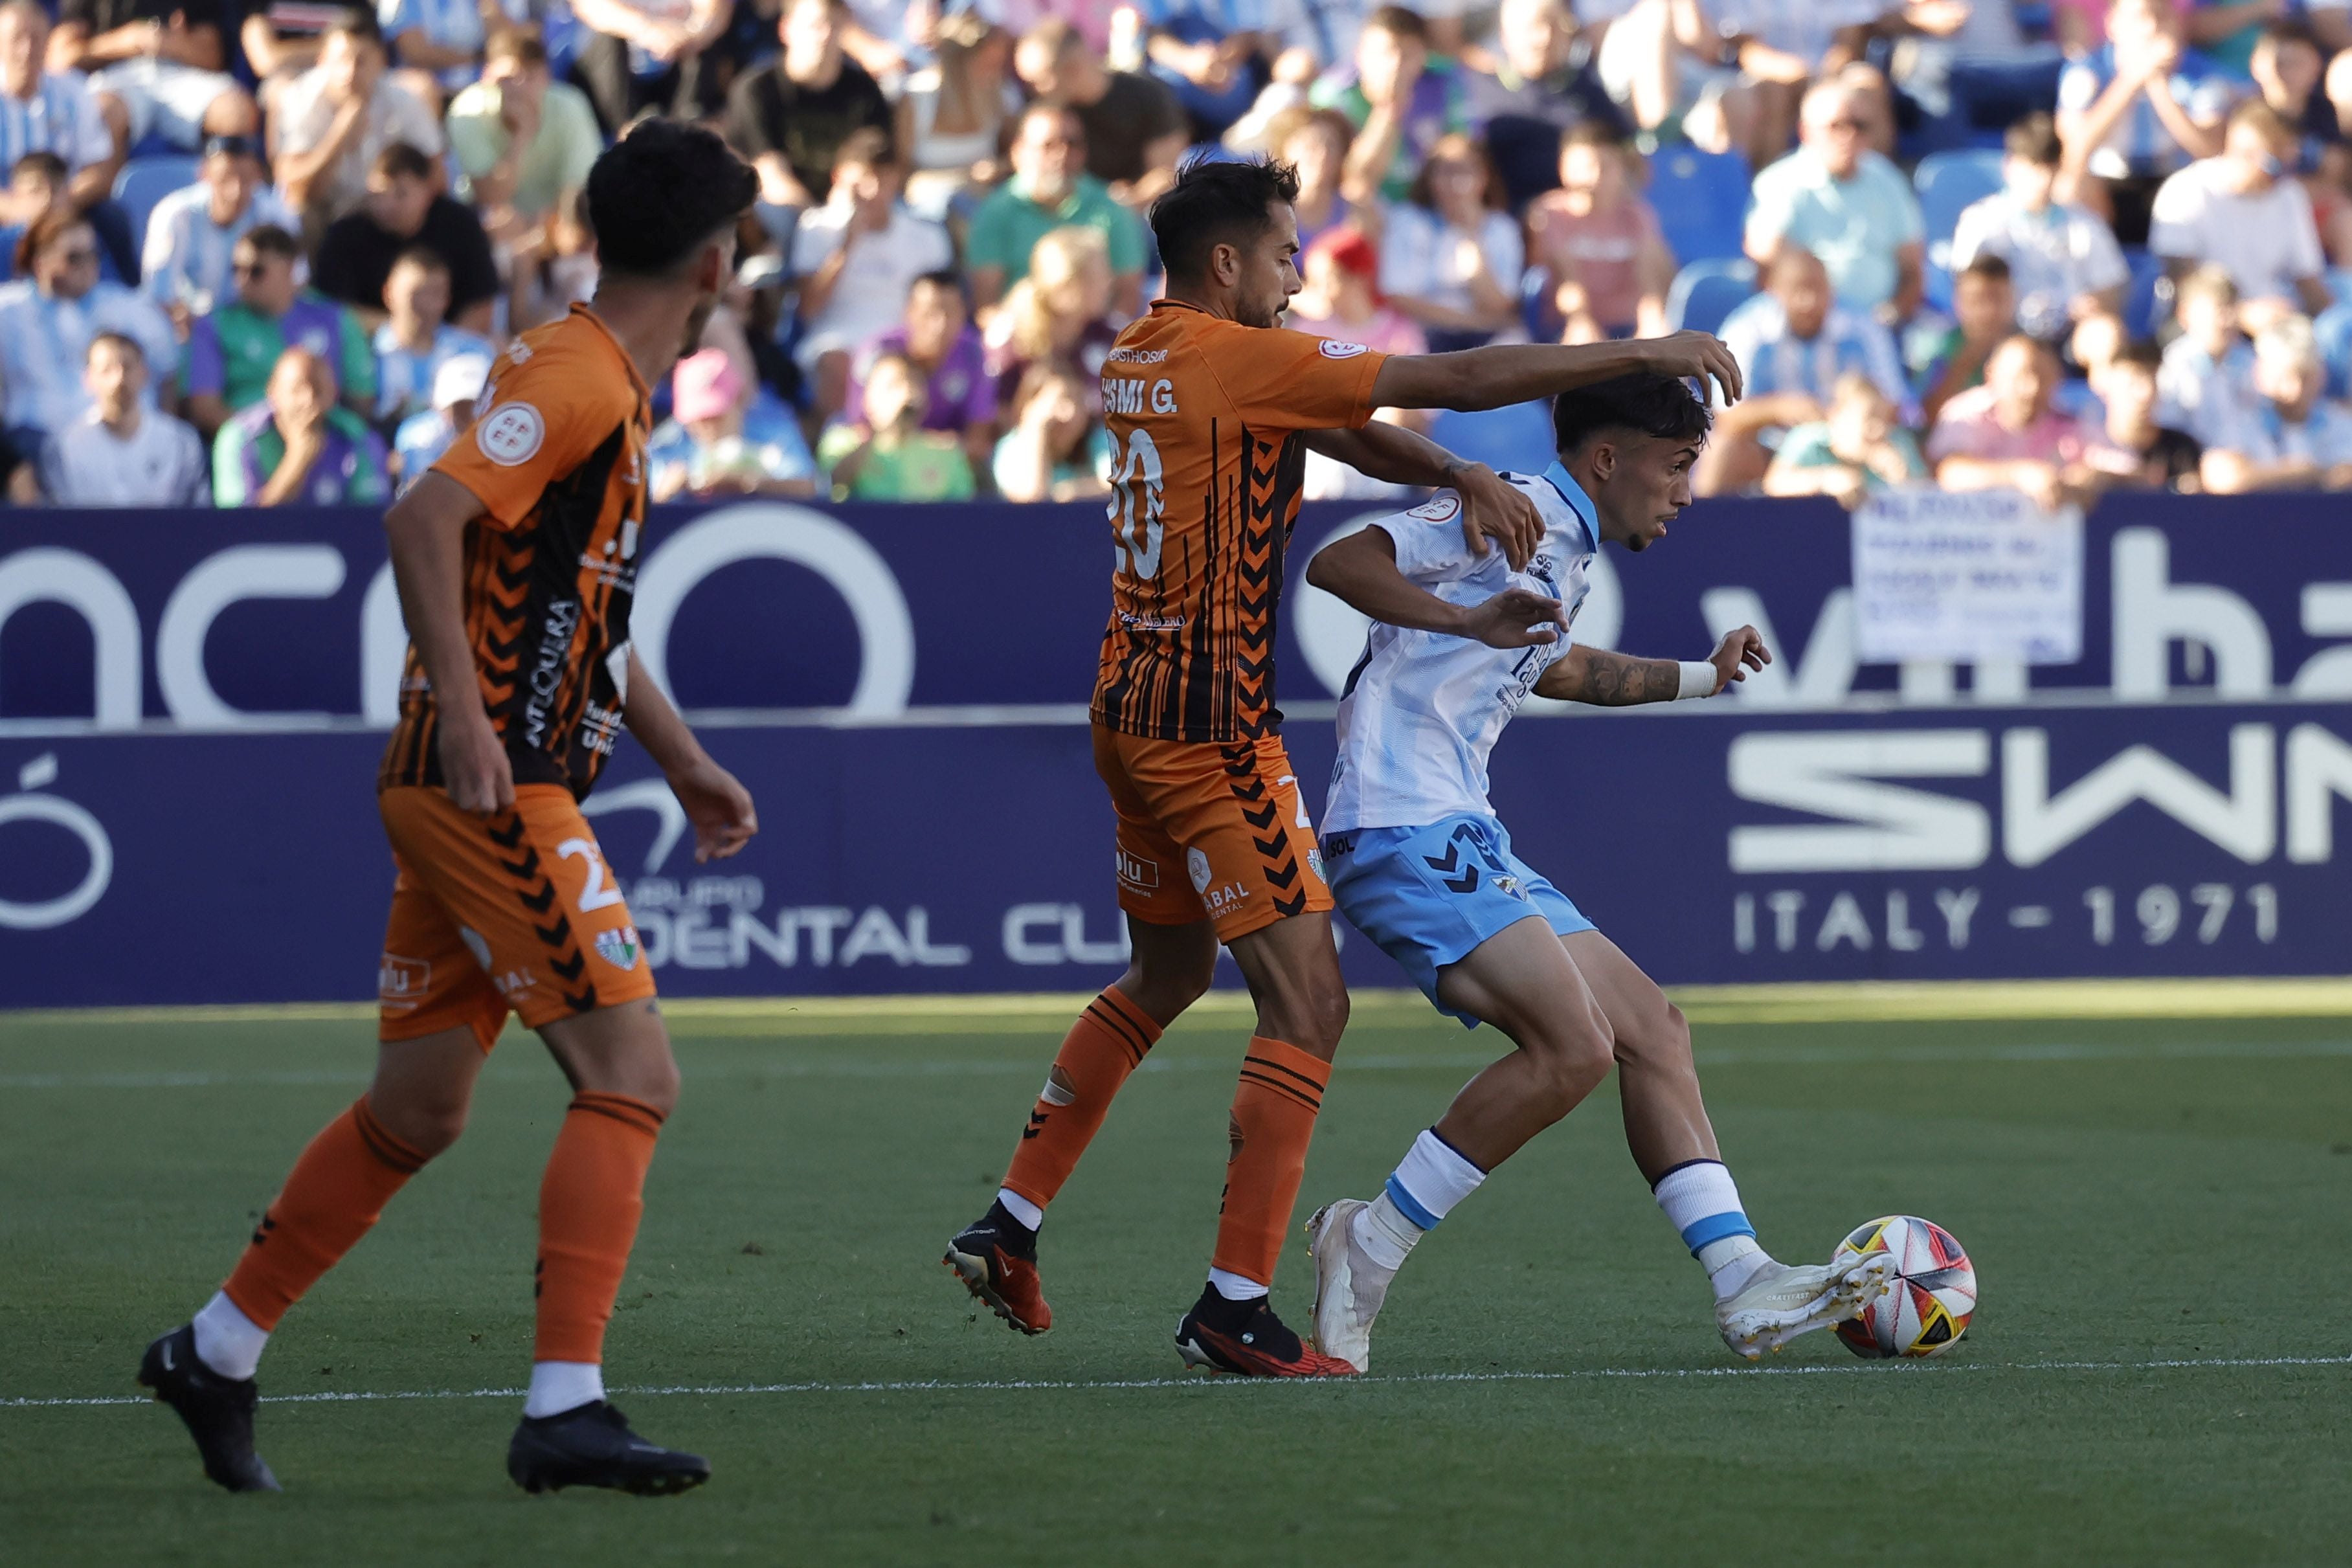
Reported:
(1517, 438)
(1701, 200)
(2332, 328)
(1947, 183)
(143, 182)
(1704, 292)
(2145, 306)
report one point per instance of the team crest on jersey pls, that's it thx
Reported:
(1437, 509)
(511, 433)
(518, 351)
(618, 947)
(1333, 348)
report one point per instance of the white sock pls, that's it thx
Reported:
(227, 1339)
(1234, 1288)
(1429, 1180)
(557, 1386)
(1384, 1233)
(1702, 1203)
(1021, 1208)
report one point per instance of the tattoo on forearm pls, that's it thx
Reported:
(1615, 680)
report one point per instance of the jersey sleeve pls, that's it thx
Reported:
(1280, 380)
(1430, 548)
(540, 419)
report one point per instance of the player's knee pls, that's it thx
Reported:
(1660, 1041)
(1573, 1066)
(426, 1123)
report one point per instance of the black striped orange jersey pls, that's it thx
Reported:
(557, 459)
(1205, 417)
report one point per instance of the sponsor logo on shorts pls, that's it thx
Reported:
(618, 947)
(476, 945)
(1196, 866)
(511, 433)
(1136, 872)
(514, 982)
(1332, 348)
(401, 982)
(1337, 844)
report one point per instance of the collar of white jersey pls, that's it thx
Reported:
(1580, 505)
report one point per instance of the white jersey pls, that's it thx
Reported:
(163, 464)
(1422, 710)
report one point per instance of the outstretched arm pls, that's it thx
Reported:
(720, 807)
(1500, 375)
(1361, 570)
(1608, 679)
(1492, 507)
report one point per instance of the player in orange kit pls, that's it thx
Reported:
(1212, 409)
(516, 558)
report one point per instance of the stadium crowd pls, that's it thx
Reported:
(266, 256)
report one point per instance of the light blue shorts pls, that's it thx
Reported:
(1429, 896)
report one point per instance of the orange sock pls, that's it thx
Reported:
(332, 1197)
(1274, 1119)
(1103, 1046)
(589, 1202)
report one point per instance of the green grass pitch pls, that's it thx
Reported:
(2158, 1374)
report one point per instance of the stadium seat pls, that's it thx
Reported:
(1704, 292)
(143, 182)
(1701, 200)
(2148, 300)
(1948, 183)
(2332, 328)
(1517, 438)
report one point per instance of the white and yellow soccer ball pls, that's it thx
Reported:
(1933, 1296)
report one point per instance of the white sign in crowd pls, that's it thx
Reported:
(1980, 576)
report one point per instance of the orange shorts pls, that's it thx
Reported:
(513, 913)
(1210, 831)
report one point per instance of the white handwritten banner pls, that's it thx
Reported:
(1972, 576)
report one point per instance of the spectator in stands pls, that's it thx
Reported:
(1984, 306)
(191, 232)
(402, 211)
(1854, 449)
(1050, 188)
(48, 318)
(1451, 258)
(334, 122)
(706, 452)
(791, 118)
(2005, 434)
(952, 115)
(2206, 385)
(651, 55)
(1846, 204)
(1792, 342)
(1057, 449)
(891, 455)
(1968, 66)
(2137, 110)
(422, 436)
(856, 258)
(1342, 298)
(1540, 89)
(2292, 436)
(524, 142)
(1214, 54)
(36, 183)
(297, 448)
(437, 44)
(2131, 449)
(1733, 88)
(939, 341)
(2097, 342)
(1315, 143)
(234, 348)
(417, 339)
(1398, 102)
(2063, 259)
(49, 112)
(281, 40)
(2241, 210)
(1606, 264)
(2288, 67)
(122, 452)
(1134, 129)
(1060, 313)
(162, 64)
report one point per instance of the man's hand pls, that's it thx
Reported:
(1736, 655)
(1516, 617)
(1699, 356)
(1494, 508)
(474, 765)
(719, 806)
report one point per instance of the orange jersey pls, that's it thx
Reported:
(1204, 416)
(557, 459)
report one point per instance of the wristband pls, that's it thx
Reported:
(1699, 680)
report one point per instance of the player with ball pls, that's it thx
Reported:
(1418, 861)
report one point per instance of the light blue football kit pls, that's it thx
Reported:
(1412, 848)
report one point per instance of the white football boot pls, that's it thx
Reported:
(1349, 1286)
(1784, 1302)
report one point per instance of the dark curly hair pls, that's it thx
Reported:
(1659, 405)
(661, 192)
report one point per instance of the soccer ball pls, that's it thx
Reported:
(1933, 1293)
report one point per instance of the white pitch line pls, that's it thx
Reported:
(1012, 1385)
(1393, 1061)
